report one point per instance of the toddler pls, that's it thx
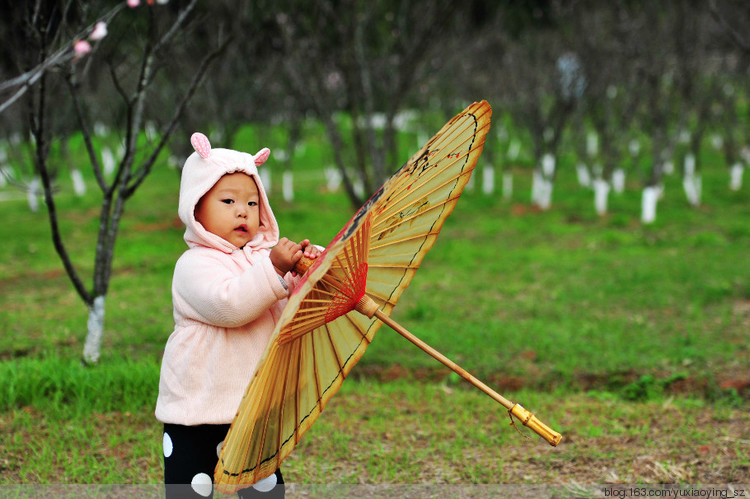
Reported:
(228, 291)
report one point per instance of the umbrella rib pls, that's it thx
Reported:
(348, 268)
(297, 401)
(324, 290)
(443, 137)
(380, 297)
(447, 138)
(315, 369)
(420, 214)
(403, 185)
(423, 235)
(280, 427)
(354, 325)
(364, 239)
(335, 351)
(265, 425)
(395, 206)
(305, 326)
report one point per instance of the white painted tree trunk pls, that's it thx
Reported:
(548, 165)
(333, 179)
(601, 195)
(667, 167)
(95, 325)
(79, 186)
(108, 161)
(634, 147)
(691, 182)
(32, 194)
(359, 187)
(541, 191)
(648, 204)
(265, 179)
(541, 187)
(514, 149)
(507, 186)
(735, 176)
(717, 141)
(584, 177)
(592, 144)
(618, 180)
(287, 181)
(488, 179)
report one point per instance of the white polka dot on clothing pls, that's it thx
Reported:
(266, 484)
(202, 484)
(218, 448)
(167, 444)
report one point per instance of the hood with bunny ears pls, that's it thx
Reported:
(202, 170)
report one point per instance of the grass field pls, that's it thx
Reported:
(630, 340)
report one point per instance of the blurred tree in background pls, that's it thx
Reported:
(612, 81)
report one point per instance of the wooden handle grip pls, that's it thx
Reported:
(303, 265)
(531, 421)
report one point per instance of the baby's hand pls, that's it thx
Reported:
(285, 255)
(310, 250)
(310, 253)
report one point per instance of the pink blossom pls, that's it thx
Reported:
(100, 31)
(82, 47)
(133, 3)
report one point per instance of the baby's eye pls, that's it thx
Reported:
(227, 201)
(252, 203)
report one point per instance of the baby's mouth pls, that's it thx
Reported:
(241, 228)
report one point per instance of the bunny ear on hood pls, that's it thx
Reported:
(202, 170)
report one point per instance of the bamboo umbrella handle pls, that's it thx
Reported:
(370, 308)
(303, 265)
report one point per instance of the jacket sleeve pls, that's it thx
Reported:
(206, 290)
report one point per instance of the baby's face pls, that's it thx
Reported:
(231, 209)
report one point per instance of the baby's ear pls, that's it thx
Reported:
(261, 156)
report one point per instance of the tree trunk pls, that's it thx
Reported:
(648, 204)
(488, 179)
(541, 189)
(618, 180)
(287, 186)
(507, 186)
(601, 195)
(79, 186)
(583, 175)
(32, 194)
(735, 176)
(691, 181)
(95, 326)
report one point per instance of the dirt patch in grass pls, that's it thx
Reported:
(424, 440)
(734, 383)
(419, 433)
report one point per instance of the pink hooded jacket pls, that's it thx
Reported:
(226, 300)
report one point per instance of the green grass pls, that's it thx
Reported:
(406, 432)
(598, 324)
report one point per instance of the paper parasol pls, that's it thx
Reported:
(345, 296)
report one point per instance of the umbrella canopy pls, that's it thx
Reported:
(344, 297)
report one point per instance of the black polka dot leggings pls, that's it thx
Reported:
(190, 457)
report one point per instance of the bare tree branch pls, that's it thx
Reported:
(197, 79)
(736, 36)
(64, 54)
